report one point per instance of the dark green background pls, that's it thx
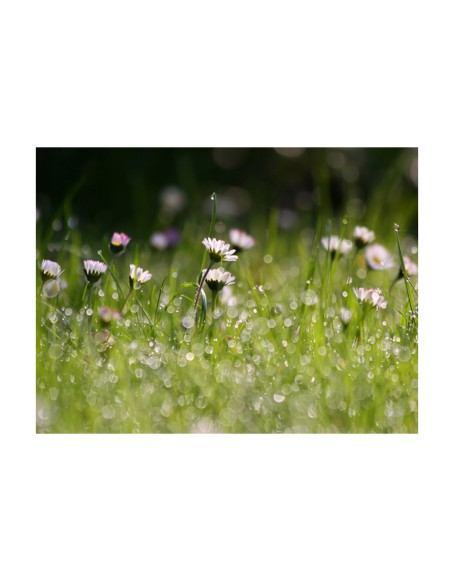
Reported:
(119, 188)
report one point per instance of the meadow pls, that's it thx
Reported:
(313, 331)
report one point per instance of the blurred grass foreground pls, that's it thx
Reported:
(227, 290)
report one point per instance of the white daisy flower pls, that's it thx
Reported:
(345, 315)
(218, 250)
(373, 297)
(106, 314)
(94, 270)
(158, 240)
(50, 270)
(335, 245)
(241, 241)
(362, 294)
(217, 279)
(362, 236)
(410, 266)
(137, 276)
(378, 258)
(377, 299)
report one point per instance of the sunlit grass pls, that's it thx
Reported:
(287, 348)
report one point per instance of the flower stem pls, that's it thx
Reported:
(111, 270)
(85, 292)
(404, 270)
(126, 298)
(197, 297)
(214, 300)
(144, 311)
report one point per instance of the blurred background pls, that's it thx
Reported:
(144, 190)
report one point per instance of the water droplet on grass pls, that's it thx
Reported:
(53, 318)
(108, 412)
(51, 289)
(188, 322)
(404, 354)
(55, 351)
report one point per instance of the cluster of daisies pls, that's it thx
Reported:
(216, 278)
(377, 258)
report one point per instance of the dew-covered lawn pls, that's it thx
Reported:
(309, 336)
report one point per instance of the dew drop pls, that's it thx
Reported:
(55, 351)
(188, 322)
(53, 318)
(51, 289)
(108, 412)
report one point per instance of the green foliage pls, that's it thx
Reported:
(275, 356)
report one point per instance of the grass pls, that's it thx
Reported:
(275, 356)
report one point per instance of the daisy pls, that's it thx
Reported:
(336, 245)
(166, 239)
(410, 266)
(217, 279)
(372, 297)
(137, 276)
(94, 270)
(241, 241)
(50, 270)
(362, 294)
(378, 258)
(119, 242)
(377, 299)
(158, 240)
(106, 314)
(218, 250)
(345, 315)
(362, 236)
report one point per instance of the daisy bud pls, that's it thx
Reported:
(50, 270)
(119, 242)
(94, 270)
